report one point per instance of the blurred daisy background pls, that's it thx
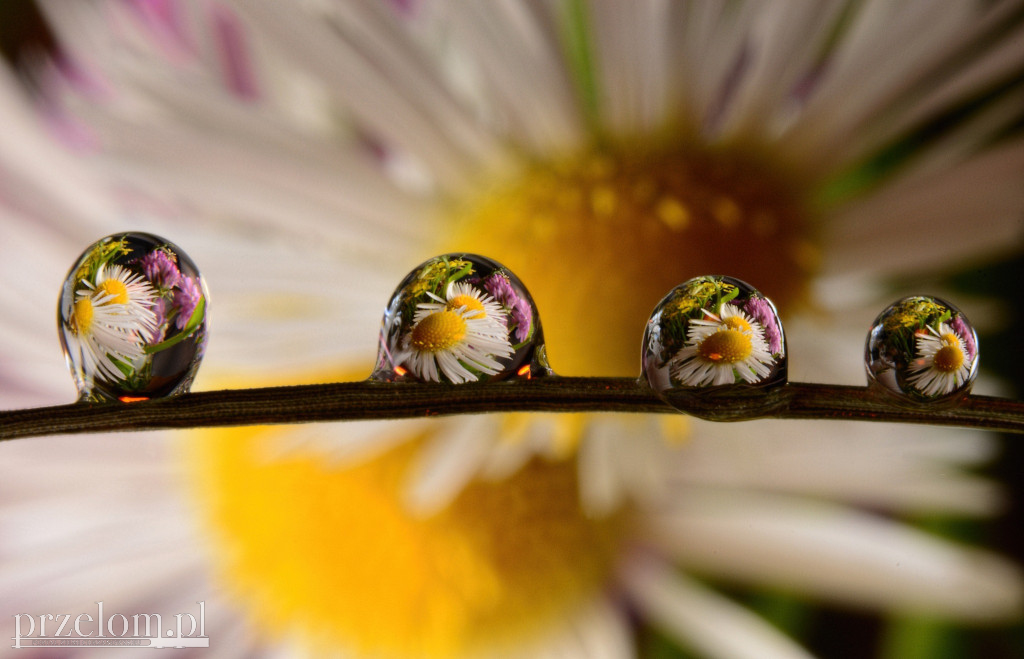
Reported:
(836, 155)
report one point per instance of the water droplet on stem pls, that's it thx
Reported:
(922, 350)
(132, 319)
(710, 340)
(460, 318)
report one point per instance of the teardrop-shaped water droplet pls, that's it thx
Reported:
(460, 318)
(922, 350)
(132, 319)
(713, 336)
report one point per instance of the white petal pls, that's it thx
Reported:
(604, 632)
(39, 176)
(399, 97)
(711, 52)
(921, 225)
(832, 552)
(513, 447)
(992, 60)
(631, 49)
(893, 467)
(521, 69)
(601, 488)
(341, 445)
(598, 630)
(785, 40)
(702, 619)
(449, 462)
(863, 61)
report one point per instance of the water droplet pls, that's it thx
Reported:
(132, 319)
(923, 350)
(460, 318)
(711, 337)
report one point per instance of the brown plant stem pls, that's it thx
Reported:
(350, 401)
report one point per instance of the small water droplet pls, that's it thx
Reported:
(713, 336)
(922, 350)
(460, 318)
(132, 319)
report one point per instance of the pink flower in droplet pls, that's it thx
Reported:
(160, 269)
(761, 311)
(963, 330)
(186, 299)
(520, 310)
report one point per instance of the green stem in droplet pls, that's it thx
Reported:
(190, 327)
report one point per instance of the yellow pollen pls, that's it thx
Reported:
(622, 226)
(738, 323)
(438, 331)
(727, 346)
(673, 213)
(950, 339)
(332, 552)
(114, 288)
(471, 304)
(81, 316)
(948, 359)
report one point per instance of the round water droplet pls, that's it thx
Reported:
(132, 319)
(460, 318)
(922, 350)
(711, 337)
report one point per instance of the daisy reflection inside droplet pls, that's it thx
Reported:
(922, 350)
(132, 318)
(460, 318)
(713, 335)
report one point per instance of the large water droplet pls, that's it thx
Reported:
(460, 318)
(132, 319)
(922, 350)
(712, 337)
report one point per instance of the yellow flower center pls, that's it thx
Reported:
(81, 316)
(471, 304)
(332, 553)
(438, 332)
(114, 288)
(308, 545)
(950, 339)
(601, 237)
(948, 359)
(727, 346)
(738, 323)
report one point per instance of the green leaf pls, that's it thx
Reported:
(730, 296)
(459, 274)
(194, 321)
(124, 367)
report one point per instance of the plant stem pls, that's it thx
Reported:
(350, 401)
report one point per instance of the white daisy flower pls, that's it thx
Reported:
(131, 296)
(465, 331)
(605, 151)
(111, 319)
(464, 334)
(942, 364)
(466, 298)
(722, 348)
(462, 295)
(99, 334)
